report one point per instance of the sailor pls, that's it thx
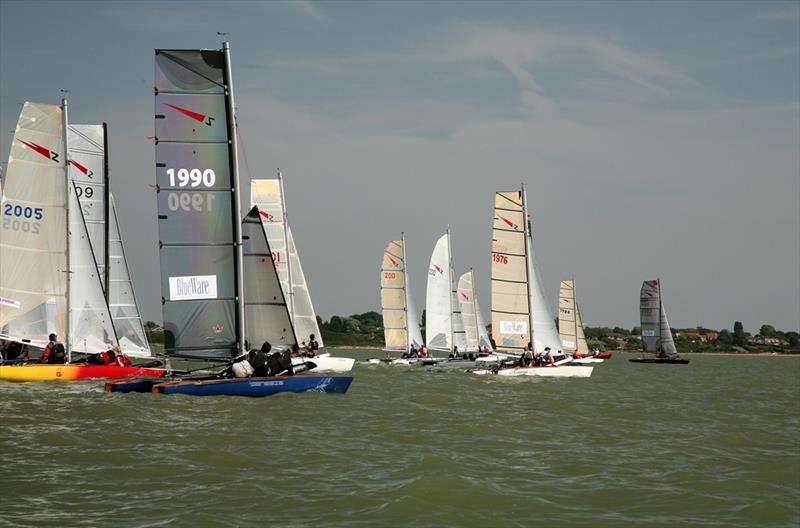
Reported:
(54, 351)
(311, 346)
(422, 352)
(455, 352)
(258, 359)
(549, 356)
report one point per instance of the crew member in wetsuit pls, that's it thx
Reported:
(54, 351)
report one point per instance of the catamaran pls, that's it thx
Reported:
(521, 319)
(570, 327)
(49, 279)
(443, 324)
(400, 326)
(220, 288)
(269, 196)
(656, 333)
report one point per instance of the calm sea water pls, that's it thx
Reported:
(713, 443)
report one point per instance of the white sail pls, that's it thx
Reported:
(438, 298)
(268, 196)
(400, 323)
(510, 299)
(570, 327)
(545, 333)
(121, 297)
(474, 328)
(87, 170)
(33, 227)
(667, 342)
(266, 311)
(91, 327)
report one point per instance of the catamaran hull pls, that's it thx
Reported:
(256, 387)
(72, 372)
(327, 363)
(585, 361)
(602, 355)
(454, 363)
(564, 371)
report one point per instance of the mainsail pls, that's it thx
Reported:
(443, 322)
(519, 307)
(266, 312)
(88, 159)
(656, 333)
(570, 327)
(474, 327)
(198, 204)
(400, 323)
(87, 170)
(33, 241)
(268, 195)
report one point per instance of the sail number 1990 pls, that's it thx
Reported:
(191, 178)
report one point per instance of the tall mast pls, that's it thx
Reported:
(660, 315)
(475, 309)
(290, 289)
(405, 291)
(106, 216)
(527, 231)
(234, 153)
(450, 287)
(575, 315)
(68, 337)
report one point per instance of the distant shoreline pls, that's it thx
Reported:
(688, 354)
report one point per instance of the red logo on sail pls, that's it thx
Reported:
(438, 269)
(47, 153)
(217, 328)
(206, 120)
(465, 296)
(394, 262)
(85, 170)
(509, 223)
(266, 215)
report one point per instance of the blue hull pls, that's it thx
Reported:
(256, 387)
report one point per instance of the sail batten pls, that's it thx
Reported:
(570, 326)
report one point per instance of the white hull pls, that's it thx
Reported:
(495, 357)
(564, 371)
(326, 362)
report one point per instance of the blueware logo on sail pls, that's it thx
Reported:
(190, 288)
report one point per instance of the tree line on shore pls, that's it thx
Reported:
(366, 329)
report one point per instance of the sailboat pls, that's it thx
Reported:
(521, 319)
(570, 327)
(220, 288)
(656, 333)
(89, 169)
(49, 280)
(400, 322)
(269, 196)
(443, 324)
(474, 326)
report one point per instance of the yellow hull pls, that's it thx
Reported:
(73, 372)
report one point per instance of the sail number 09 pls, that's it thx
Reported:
(191, 177)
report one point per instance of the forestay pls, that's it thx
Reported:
(197, 204)
(266, 313)
(33, 241)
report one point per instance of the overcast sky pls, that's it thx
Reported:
(656, 139)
